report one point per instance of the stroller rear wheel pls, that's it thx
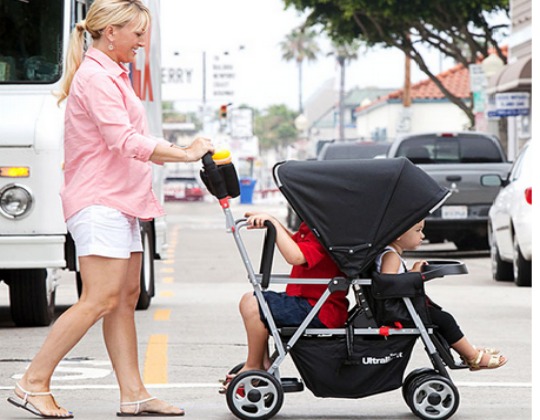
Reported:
(255, 395)
(432, 397)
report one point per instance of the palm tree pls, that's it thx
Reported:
(344, 51)
(300, 45)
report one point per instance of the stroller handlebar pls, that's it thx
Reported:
(219, 175)
(207, 160)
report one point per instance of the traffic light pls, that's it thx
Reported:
(223, 112)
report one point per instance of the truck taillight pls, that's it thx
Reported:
(14, 171)
(528, 195)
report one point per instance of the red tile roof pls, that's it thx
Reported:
(455, 79)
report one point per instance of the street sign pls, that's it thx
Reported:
(512, 104)
(477, 77)
(197, 77)
(222, 77)
(241, 122)
(182, 77)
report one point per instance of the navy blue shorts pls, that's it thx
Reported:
(288, 311)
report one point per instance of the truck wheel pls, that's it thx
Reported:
(32, 295)
(147, 269)
(522, 267)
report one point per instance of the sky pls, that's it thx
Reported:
(261, 77)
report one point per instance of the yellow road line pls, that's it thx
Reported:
(167, 270)
(168, 279)
(155, 362)
(162, 314)
(166, 293)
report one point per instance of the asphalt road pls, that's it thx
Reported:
(192, 334)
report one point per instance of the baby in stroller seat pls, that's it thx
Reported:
(309, 259)
(390, 261)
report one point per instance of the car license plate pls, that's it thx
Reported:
(454, 212)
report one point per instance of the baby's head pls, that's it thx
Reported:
(413, 238)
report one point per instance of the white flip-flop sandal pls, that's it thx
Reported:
(28, 406)
(144, 413)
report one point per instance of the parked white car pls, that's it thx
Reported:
(510, 222)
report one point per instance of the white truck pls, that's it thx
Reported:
(34, 243)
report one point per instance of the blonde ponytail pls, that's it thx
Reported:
(73, 59)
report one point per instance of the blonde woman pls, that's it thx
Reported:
(107, 190)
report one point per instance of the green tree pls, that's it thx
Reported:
(300, 45)
(275, 127)
(462, 29)
(344, 52)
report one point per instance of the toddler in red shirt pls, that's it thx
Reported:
(309, 259)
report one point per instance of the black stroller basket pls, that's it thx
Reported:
(355, 208)
(352, 366)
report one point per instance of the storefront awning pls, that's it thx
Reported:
(515, 77)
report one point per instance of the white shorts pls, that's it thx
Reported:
(103, 231)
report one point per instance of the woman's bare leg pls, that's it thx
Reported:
(100, 295)
(119, 332)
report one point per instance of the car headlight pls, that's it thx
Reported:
(15, 201)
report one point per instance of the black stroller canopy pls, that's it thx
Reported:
(357, 207)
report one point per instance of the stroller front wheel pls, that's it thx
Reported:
(412, 376)
(433, 397)
(255, 395)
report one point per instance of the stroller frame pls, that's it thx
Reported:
(437, 350)
(429, 393)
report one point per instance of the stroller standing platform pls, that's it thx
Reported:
(378, 201)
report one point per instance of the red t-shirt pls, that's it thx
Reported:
(318, 264)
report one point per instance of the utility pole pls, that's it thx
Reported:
(407, 84)
(341, 61)
(404, 125)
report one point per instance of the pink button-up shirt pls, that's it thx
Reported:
(106, 142)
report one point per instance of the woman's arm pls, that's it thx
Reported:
(173, 153)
